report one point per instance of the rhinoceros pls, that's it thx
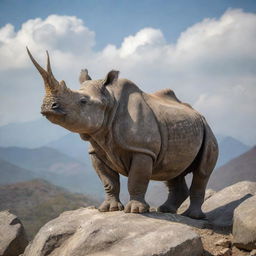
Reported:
(139, 135)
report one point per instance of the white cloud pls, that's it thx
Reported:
(212, 65)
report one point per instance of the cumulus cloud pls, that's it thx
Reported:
(211, 66)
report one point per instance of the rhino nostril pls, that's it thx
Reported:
(55, 105)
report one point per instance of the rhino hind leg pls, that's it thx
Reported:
(178, 193)
(202, 169)
(110, 180)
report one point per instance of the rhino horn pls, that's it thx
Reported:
(51, 84)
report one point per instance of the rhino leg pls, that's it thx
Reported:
(138, 179)
(110, 180)
(202, 169)
(178, 193)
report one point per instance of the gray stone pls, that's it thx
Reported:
(244, 227)
(13, 240)
(224, 242)
(253, 253)
(220, 207)
(225, 252)
(89, 232)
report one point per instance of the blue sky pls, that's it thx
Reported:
(204, 50)
(112, 20)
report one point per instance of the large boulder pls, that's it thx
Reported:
(220, 207)
(87, 231)
(13, 240)
(244, 227)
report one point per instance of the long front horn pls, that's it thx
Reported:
(38, 67)
(50, 82)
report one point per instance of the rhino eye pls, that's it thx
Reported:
(83, 100)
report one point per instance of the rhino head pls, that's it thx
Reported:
(82, 111)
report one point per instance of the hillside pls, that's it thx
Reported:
(36, 202)
(10, 173)
(230, 148)
(54, 166)
(238, 169)
(72, 145)
(30, 134)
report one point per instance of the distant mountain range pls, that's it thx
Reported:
(30, 134)
(56, 167)
(36, 202)
(230, 148)
(72, 145)
(240, 168)
(10, 173)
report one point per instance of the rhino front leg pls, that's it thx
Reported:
(138, 179)
(110, 180)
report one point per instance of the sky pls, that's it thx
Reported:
(204, 50)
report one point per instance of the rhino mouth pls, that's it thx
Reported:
(56, 112)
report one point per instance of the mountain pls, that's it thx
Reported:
(54, 166)
(238, 169)
(36, 202)
(10, 173)
(72, 145)
(230, 148)
(30, 134)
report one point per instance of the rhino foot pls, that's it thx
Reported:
(167, 208)
(111, 205)
(135, 206)
(194, 213)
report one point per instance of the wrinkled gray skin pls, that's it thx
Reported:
(139, 135)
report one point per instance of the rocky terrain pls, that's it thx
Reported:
(36, 202)
(228, 230)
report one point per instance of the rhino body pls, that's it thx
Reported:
(139, 135)
(157, 125)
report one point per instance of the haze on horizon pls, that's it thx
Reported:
(207, 56)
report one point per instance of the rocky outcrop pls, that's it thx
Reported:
(88, 232)
(13, 240)
(220, 207)
(244, 228)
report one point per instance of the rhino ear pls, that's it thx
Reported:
(111, 77)
(84, 76)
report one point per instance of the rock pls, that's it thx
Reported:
(224, 242)
(253, 253)
(90, 232)
(225, 252)
(220, 207)
(185, 204)
(244, 227)
(13, 240)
